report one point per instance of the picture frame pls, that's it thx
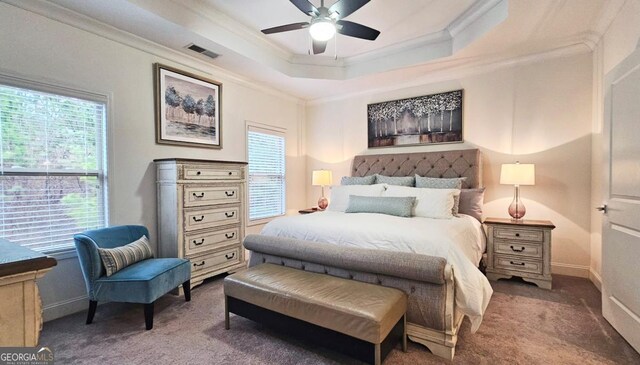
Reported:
(188, 108)
(421, 120)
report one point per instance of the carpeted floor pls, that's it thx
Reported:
(523, 325)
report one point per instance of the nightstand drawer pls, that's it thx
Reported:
(517, 264)
(518, 249)
(518, 234)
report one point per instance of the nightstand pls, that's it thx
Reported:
(519, 248)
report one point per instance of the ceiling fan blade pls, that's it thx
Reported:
(343, 8)
(285, 28)
(319, 47)
(352, 29)
(305, 6)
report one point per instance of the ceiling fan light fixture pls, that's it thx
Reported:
(322, 30)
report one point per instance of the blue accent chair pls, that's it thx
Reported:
(142, 282)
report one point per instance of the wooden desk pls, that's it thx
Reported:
(20, 306)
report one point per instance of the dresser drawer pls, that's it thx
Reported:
(195, 172)
(518, 234)
(199, 242)
(195, 196)
(211, 217)
(518, 249)
(215, 261)
(517, 264)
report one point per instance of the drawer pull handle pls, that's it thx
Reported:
(517, 263)
(516, 250)
(198, 172)
(230, 193)
(198, 220)
(229, 215)
(200, 264)
(517, 234)
(230, 236)
(230, 173)
(198, 243)
(229, 257)
(201, 195)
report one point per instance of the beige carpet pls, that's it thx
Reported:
(523, 325)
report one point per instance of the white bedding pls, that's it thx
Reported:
(459, 240)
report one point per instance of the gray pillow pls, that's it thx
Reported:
(439, 183)
(356, 180)
(442, 183)
(396, 180)
(471, 202)
(398, 206)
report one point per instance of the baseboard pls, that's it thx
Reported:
(64, 308)
(570, 270)
(596, 279)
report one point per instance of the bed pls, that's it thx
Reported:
(434, 261)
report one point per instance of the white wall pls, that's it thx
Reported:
(535, 113)
(620, 39)
(45, 50)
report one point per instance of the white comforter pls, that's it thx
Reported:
(459, 240)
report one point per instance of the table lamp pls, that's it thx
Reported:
(517, 174)
(322, 178)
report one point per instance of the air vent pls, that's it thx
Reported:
(202, 51)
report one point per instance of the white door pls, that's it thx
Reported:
(621, 226)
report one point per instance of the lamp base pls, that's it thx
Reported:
(323, 203)
(517, 209)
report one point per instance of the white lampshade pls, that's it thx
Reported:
(518, 174)
(322, 30)
(321, 177)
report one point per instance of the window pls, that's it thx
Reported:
(52, 167)
(265, 148)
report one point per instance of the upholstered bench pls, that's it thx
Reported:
(362, 320)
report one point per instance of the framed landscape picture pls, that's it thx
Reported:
(422, 120)
(187, 109)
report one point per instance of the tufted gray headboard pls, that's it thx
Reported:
(459, 163)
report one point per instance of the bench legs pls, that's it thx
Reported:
(226, 312)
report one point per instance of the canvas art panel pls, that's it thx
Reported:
(187, 109)
(428, 119)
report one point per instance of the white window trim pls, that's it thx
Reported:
(276, 130)
(72, 91)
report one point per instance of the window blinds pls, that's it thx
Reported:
(266, 149)
(52, 176)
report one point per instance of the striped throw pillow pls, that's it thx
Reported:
(116, 259)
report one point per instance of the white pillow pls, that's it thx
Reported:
(340, 194)
(430, 203)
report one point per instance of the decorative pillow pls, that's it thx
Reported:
(116, 259)
(357, 180)
(442, 183)
(340, 194)
(439, 183)
(430, 203)
(396, 180)
(471, 202)
(398, 206)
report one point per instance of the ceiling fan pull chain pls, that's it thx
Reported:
(335, 48)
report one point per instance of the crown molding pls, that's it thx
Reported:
(467, 69)
(85, 23)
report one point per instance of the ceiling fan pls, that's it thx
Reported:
(325, 22)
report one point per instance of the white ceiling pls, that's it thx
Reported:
(397, 20)
(420, 39)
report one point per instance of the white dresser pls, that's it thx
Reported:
(201, 214)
